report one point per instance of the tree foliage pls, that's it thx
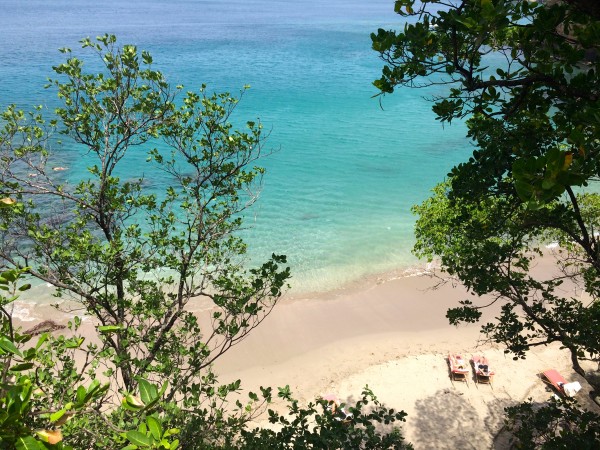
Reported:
(560, 424)
(524, 76)
(141, 237)
(135, 256)
(525, 73)
(319, 426)
(35, 407)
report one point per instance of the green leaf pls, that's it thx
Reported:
(43, 338)
(29, 443)
(163, 389)
(148, 392)
(132, 403)
(139, 439)
(57, 415)
(21, 367)
(109, 329)
(73, 342)
(8, 346)
(155, 428)
(81, 395)
(11, 275)
(92, 388)
(548, 183)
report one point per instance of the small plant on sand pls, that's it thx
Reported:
(319, 426)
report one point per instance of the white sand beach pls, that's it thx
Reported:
(392, 336)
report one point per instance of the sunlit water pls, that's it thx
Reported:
(346, 168)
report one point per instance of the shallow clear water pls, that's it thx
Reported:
(345, 170)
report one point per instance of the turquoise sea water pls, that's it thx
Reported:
(346, 169)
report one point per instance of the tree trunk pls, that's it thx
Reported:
(575, 362)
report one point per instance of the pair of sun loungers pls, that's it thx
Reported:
(460, 371)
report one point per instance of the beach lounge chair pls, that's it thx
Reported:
(458, 368)
(483, 371)
(556, 380)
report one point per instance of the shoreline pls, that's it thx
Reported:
(35, 304)
(392, 335)
(363, 282)
(43, 291)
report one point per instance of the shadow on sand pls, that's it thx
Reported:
(450, 413)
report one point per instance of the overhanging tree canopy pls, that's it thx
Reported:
(134, 251)
(525, 77)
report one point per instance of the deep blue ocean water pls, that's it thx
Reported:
(346, 168)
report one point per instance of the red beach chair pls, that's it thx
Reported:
(556, 380)
(483, 372)
(458, 368)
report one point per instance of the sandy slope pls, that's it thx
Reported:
(393, 337)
